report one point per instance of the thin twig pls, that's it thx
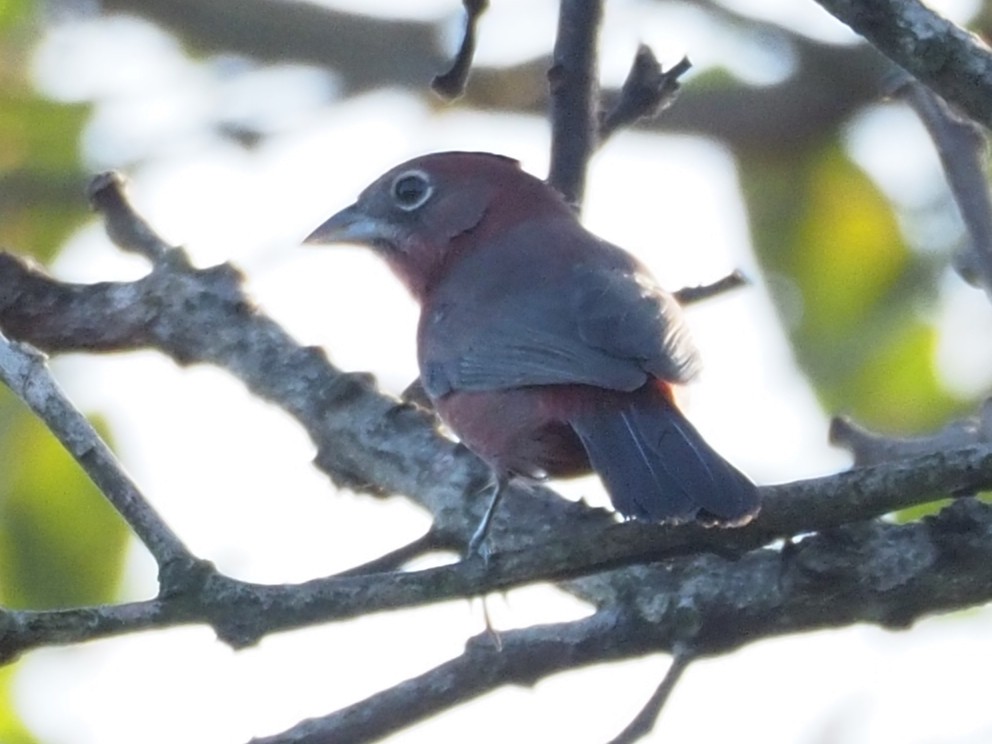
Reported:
(646, 719)
(523, 656)
(574, 97)
(871, 448)
(396, 559)
(646, 92)
(24, 371)
(128, 229)
(689, 295)
(963, 152)
(451, 84)
(953, 62)
(889, 572)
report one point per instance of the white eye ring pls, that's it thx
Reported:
(411, 190)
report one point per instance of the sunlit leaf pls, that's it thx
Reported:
(61, 544)
(849, 289)
(897, 386)
(40, 229)
(41, 184)
(13, 12)
(39, 134)
(848, 252)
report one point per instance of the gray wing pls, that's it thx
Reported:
(627, 316)
(602, 322)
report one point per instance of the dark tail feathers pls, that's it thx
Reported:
(657, 467)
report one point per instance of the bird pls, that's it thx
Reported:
(548, 351)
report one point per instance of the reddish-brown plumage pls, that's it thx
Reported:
(546, 349)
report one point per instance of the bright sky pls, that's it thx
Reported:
(233, 476)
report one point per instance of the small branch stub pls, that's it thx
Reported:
(690, 295)
(451, 84)
(126, 228)
(646, 92)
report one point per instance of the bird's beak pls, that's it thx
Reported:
(350, 225)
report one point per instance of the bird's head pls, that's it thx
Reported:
(421, 213)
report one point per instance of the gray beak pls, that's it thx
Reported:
(350, 225)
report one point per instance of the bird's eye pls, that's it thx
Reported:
(411, 190)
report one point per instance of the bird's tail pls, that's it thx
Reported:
(657, 467)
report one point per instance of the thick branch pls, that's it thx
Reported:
(522, 657)
(954, 63)
(880, 573)
(366, 439)
(242, 612)
(872, 572)
(203, 315)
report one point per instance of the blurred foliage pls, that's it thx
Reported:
(852, 295)
(61, 543)
(41, 179)
(13, 13)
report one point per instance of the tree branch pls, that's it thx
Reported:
(870, 448)
(876, 572)
(646, 719)
(829, 84)
(523, 657)
(690, 295)
(359, 47)
(574, 96)
(954, 63)
(451, 84)
(24, 371)
(655, 588)
(963, 152)
(242, 612)
(367, 439)
(125, 227)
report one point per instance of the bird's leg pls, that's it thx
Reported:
(475, 544)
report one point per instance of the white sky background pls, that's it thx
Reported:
(233, 475)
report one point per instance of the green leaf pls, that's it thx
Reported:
(61, 543)
(897, 387)
(848, 251)
(39, 134)
(12, 13)
(41, 183)
(849, 289)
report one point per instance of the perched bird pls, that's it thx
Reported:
(547, 350)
